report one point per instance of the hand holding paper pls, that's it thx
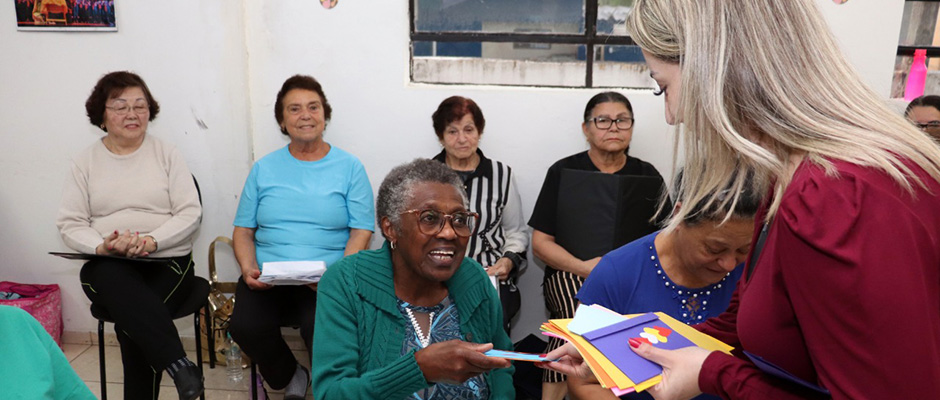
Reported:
(292, 272)
(455, 361)
(601, 348)
(681, 368)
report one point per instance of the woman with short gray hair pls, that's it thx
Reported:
(413, 318)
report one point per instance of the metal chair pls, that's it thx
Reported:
(198, 299)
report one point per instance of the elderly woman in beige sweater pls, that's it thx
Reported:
(130, 197)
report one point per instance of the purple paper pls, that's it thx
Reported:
(613, 342)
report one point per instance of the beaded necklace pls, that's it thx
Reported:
(693, 303)
(424, 339)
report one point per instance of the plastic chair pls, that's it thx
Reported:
(198, 299)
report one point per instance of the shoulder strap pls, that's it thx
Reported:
(225, 287)
(758, 248)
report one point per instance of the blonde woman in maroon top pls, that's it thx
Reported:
(842, 289)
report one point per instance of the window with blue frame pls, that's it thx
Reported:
(562, 43)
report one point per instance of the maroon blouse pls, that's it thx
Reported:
(846, 293)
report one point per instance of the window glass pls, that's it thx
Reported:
(611, 16)
(499, 16)
(919, 24)
(525, 42)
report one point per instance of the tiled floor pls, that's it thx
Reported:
(84, 359)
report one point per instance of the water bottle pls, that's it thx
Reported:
(233, 361)
(917, 78)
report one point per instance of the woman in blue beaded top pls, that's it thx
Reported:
(689, 273)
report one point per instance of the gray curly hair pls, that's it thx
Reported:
(397, 189)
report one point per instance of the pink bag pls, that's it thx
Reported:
(43, 302)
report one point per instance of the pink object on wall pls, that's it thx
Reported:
(917, 77)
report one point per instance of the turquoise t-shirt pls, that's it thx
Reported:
(303, 210)
(33, 366)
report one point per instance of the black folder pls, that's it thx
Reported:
(600, 212)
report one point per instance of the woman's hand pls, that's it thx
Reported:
(587, 266)
(251, 279)
(455, 361)
(681, 368)
(500, 269)
(107, 245)
(569, 362)
(145, 246)
(126, 244)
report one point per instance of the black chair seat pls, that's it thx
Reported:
(198, 299)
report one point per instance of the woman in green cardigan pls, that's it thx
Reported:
(412, 319)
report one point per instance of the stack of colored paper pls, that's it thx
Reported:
(601, 336)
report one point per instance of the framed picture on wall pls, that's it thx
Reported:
(65, 15)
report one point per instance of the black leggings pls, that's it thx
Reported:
(141, 297)
(256, 327)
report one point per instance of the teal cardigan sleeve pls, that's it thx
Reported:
(336, 347)
(33, 366)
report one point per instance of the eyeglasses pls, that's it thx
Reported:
(606, 123)
(124, 108)
(930, 125)
(431, 222)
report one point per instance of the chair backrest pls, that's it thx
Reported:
(198, 192)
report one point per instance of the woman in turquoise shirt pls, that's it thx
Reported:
(308, 201)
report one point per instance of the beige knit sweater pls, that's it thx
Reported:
(150, 191)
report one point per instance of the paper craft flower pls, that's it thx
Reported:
(654, 335)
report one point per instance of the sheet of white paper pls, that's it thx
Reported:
(292, 272)
(589, 318)
(495, 283)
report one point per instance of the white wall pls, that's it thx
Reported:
(222, 62)
(192, 56)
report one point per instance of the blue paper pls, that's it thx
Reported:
(589, 318)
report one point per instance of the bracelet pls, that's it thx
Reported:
(515, 258)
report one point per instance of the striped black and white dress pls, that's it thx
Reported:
(502, 230)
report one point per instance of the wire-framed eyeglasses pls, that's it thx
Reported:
(122, 108)
(606, 123)
(431, 222)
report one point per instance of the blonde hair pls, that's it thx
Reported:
(763, 81)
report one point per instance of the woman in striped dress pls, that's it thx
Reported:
(499, 243)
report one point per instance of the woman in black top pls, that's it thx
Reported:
(590, 203)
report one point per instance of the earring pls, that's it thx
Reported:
(392, 245)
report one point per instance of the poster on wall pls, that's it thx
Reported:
(65, 15)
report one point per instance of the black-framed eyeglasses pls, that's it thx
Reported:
(606, 123)
(431, 222)
(930, 125)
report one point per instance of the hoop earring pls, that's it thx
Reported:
(392, 245)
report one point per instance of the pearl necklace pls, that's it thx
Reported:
(424, 339)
